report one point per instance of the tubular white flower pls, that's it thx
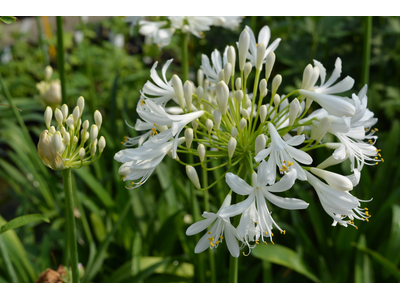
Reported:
(201, 150)
(269, 63)
(247, 70)
(98, 119)
(82, 153)
(76, 115)
(178, 89)
(48, 152)
(282, 154)
(234, 132)
(187, 91)
(194, 178)
(231, 146)
(58, 115)
(263, 113)
(214, 236)
(94, 131)
(294, 111)
(263, 38)
(337, 204)
(276, 82)
(102, 144)
(217, 118)
(81, 104)
(212, 73)
(222, 91)
(232, 58)
(243, 48)
(64, 110)
(188, 137)
(48, 115)
(260, 143)
(140, 163)
(242, 124)
(336, 181)
(257, 194)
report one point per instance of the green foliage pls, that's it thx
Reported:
(139, 235)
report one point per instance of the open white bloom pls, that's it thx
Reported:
(155, 34)
(338, 204)
(222, 225)
(218, 64)
(263, 38)
(282, 154)
(256, 221)
(140, 163)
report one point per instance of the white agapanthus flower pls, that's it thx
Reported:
(251, 128)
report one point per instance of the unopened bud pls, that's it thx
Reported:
(86, 137)
(263, 88)
(102, 144)
(260, 143)
(245, 114)
(242, 124)
(269, 63)
(232, 58)
(227, 72)
(318, 132)
(200, 77)
(75, 140)
(300, 130)
(187, 91)
(222, 91)
(201, 150)
(293, 111)
(178, 89)
(209, 125)
(307, 73)
(263, 113)
(48, 71)
(62, 130)
(231, 146)
(277, 100)
(221, 75)
(195, 125)
(58, 115)
(276, 82)
(238, 83)
(261, 48)
(247, 70)
(48, 115)
(337, 181)
(76, 114)
(85, 125)
(58, 142)
(234, 132)
(194, 178)
(64, 110)
(52, 130)
(94, 131)
(66, 138)
(93, 148)
(247, 104)
(244, 43)
(239, 96)
(217, 118)
(188, 137)
(70, 123)
(81, 104)
(98, 119)
(82, 153)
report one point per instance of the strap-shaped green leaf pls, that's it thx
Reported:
(23, 220)
(8, 20)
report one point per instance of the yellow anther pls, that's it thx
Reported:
(366, 208)
(284, 232)
(376, 129)
(132, 183)
(272, 242)
(243, 253)
(212, 238)
(139, 183)
(272, 234)
(355, 227)
(382, 160)
(256, 44)
(376, 157)
(257, 243)
(265, 243)
(376, 163)
(122, 178)
(284, 161)
(379, 155)
(217, 242)
(367, 220)
(363, 219)
(155, 124)
(209, 239)
(209, 232)
(221, 237)
(122, 143)
(366, 129)
(266, 232)
(212, 244)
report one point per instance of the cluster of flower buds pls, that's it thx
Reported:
(63, 146)
(50, 90)
(264, 134)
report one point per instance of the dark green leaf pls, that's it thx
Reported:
(23, 220)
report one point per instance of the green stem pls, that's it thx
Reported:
(367, 49)
(185, 56)
(233, 261)
(41, 42)
(7, 261)
(60, 58)
(69, 210)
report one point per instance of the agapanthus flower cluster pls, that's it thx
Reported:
(49, 90)
(255, 130)
(64, 146)
(160, 32)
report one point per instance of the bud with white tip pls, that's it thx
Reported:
(336, 181)
(238, 83)
(81, 104)
(201, 150)
(234, 132)
(93, 148)
(48, 72)
(221, 75)
(188, 137)
(247, 70)
(276, 82)
(231, 146)
(239, 96)
(66, 138)
(244, 43)
(263, 88)
(260, 143)
(85, 125)
(70, 123)
(232, 58)
(217, 118)
(195, 125)
(178, 89)
(58, 142)
(269, 63)
(293, 111)
(187, 91)
(209, 125)
(76, 114)
(227, 72)
(64, 110)
(200, 77)
(261, 48)
(263, 113)
(98, 119)
(102, 144)
(48, 115)
(245, 114)
(307, 73)
(82, 153)
(242, 124)
(94, 131)
(319, 131)
(199, 93)
(52, 130)
(75, 140)
(194, 178)
(58, 115)
(300, 130)
(277, 100)
(247, 104)
(222, 91)
(86, 137)
(62, 130)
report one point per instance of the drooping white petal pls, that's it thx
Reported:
(286, 203)
(230, 237)
(238, 185)
(199, 226)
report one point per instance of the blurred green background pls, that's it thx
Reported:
(139, 235)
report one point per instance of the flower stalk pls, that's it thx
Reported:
(60, 58)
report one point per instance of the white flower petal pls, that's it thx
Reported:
(238, 185)
(286, 203)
